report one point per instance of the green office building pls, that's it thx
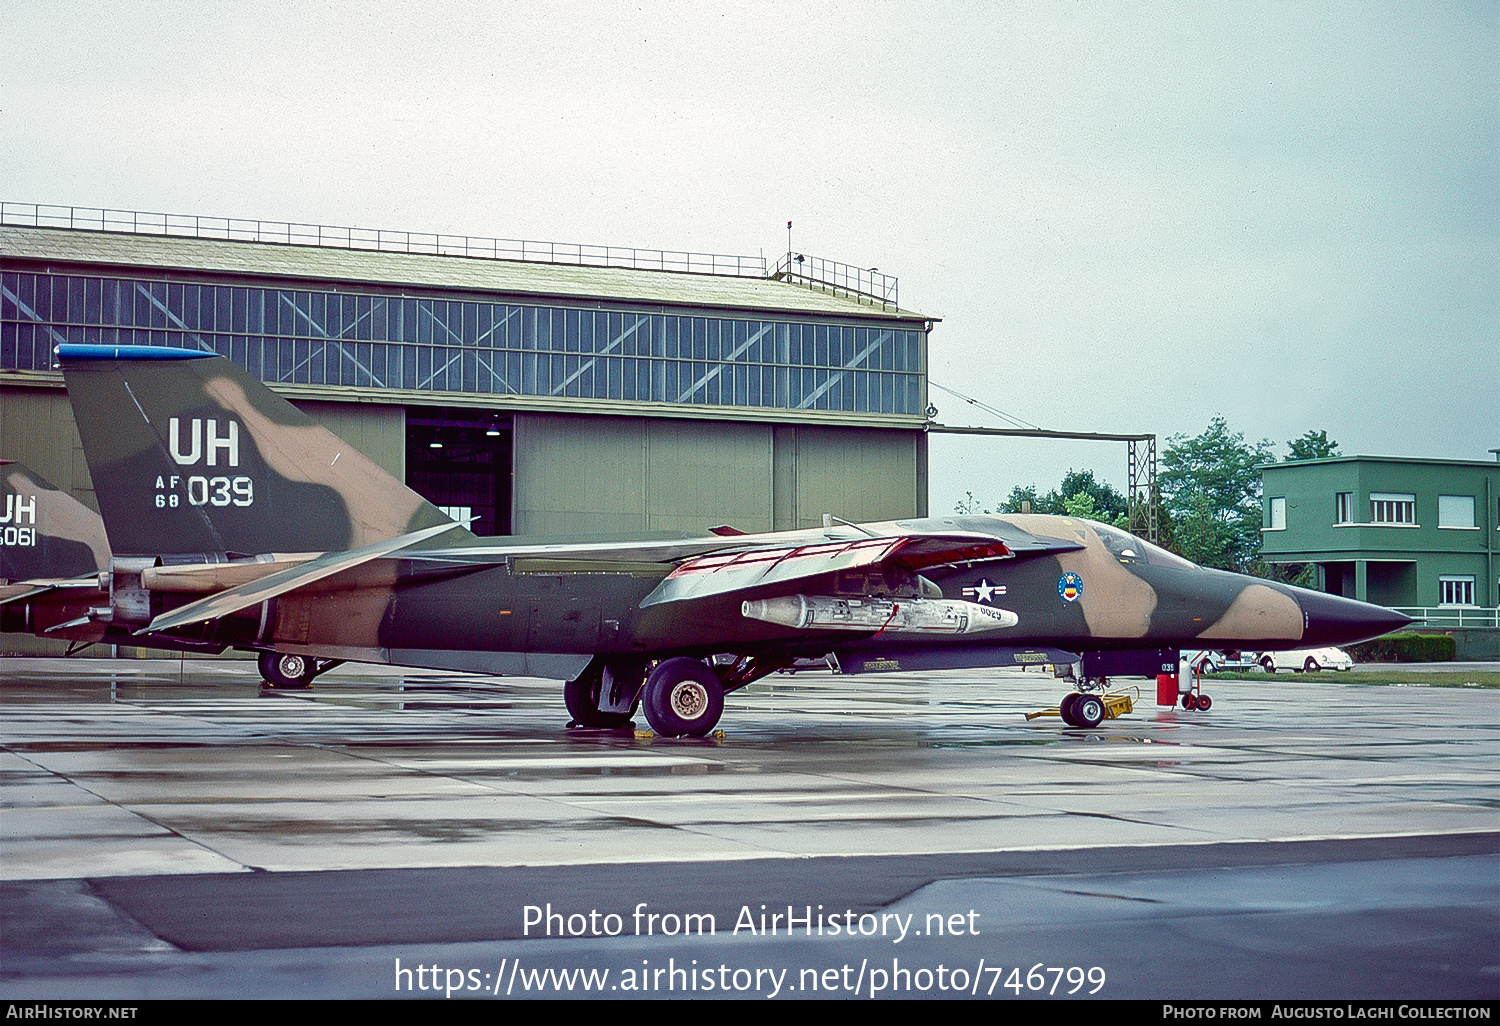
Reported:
(1415, 535)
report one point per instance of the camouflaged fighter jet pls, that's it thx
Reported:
(55, 567)
(234, 520)
(52, 552)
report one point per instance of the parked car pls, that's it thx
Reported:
(1212, 661)
(1308, 659)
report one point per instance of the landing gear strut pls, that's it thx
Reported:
(1081, 708)
(610, 685)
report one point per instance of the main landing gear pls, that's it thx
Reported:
(605, 695)
(684, 696)
(681, 696)
(286, 671)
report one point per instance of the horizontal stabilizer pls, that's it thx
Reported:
(299, 576)
(13, 592)
(29, 589)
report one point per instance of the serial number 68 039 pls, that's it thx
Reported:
(209, 491)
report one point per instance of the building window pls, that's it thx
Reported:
(1456, 511)
(437, 344)
(1392, 508)
(1455, 591)
(1343, 512)
(1278, 514)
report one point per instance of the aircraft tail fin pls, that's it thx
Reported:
(191, 455)
(45, 533)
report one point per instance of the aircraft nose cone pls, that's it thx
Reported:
(1335, 620)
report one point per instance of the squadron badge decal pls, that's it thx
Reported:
(1070, 587)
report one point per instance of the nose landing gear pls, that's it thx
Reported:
(1080, 710)
(1085, 708)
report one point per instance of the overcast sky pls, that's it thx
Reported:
(1129, 217)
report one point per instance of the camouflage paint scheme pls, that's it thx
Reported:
(235, 520)
(44, 531)
(52, 552)
(55, 567)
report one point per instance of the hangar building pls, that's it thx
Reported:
(539, 389)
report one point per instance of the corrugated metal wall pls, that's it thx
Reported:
(603, 475)
(36, 428)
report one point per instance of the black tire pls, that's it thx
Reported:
(1311, 666)
(581, 696)
(1190, 701)
(1088, 710)
(286, 670)
(1065, 707)
(1205, 703)
(1268, 664)
(683, 697)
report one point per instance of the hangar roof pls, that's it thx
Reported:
(508, 277)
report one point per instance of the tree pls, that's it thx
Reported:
(1211, 487)
(1081, 505)
(1314, 445)
(1081, 495)
(1109, 505)
(1202, 535)
(1025, 499)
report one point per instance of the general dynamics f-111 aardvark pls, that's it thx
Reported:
(53, 551)
(235, 521)
(55, 567)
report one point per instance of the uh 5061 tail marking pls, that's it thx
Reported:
(234, 520)
(53, 554)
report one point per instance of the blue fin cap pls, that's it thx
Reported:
(78, 351)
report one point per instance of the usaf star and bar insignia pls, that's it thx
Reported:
(983, 591)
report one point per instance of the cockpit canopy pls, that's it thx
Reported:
(1129, 549)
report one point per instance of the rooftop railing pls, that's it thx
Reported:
(864, 284)
(1451, 616)
(292, 233)
(841, 279)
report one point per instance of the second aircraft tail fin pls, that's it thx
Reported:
(45, 533)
